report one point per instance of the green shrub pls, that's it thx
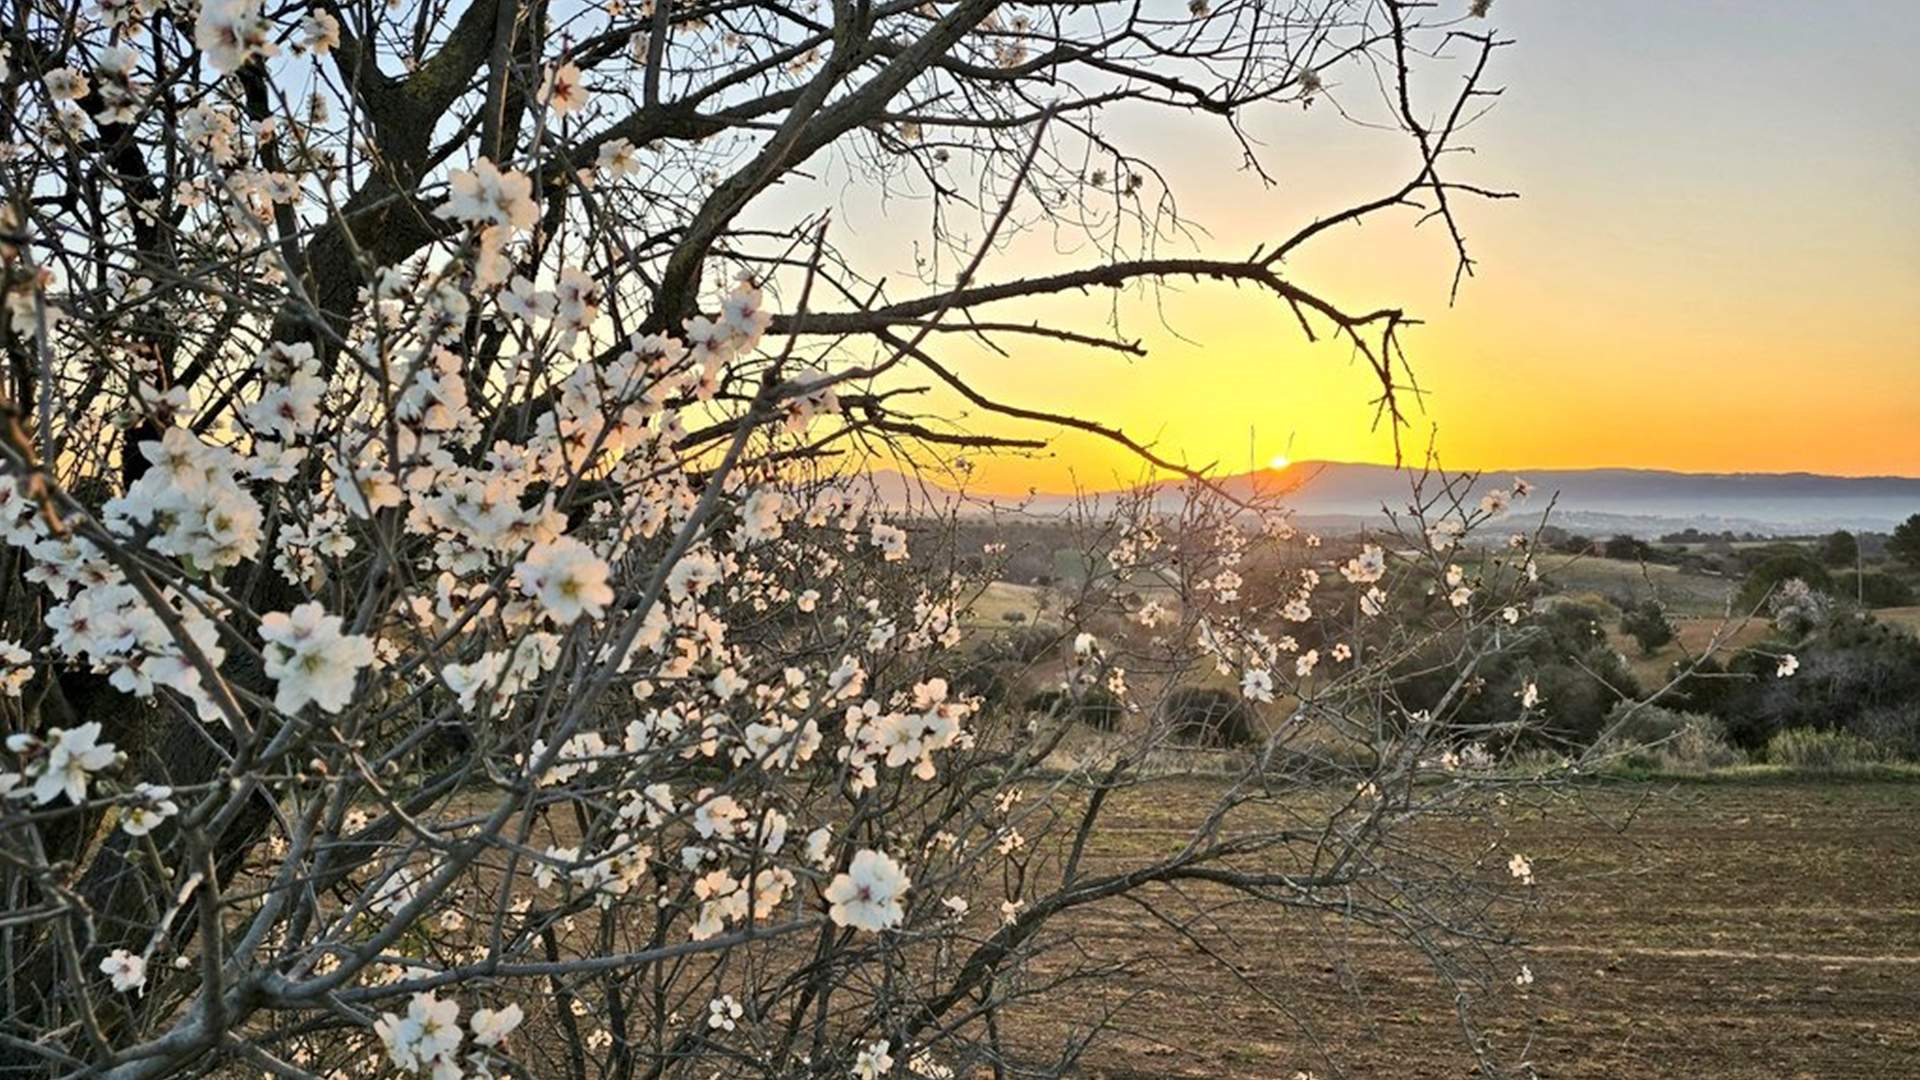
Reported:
(984, 681)
(1840, 548)
(1663, 740)
(1822, 751)
(1894, 728)
(1569, 659)
(1202, 716)
(1021, 645)
(1904, 544)
(1699, 746)
(1873, 589)
(1096, 707)
(1321, 760)
(1643, 725)
(1647, 623)
(1853, 668)
(1782, 565)
(1627, 548)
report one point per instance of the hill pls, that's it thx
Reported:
(1641, 502)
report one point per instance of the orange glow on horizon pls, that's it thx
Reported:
(1707, 270)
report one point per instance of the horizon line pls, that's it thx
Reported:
(1521, 472)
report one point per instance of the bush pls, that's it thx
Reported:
(1822, 751)
(1627, 548)
(1021, 645)
(984, 681)
(1202, 716)
(1699, 746)
(1852, 669)
(1661, 739)
(1783, 565)
(1096, 707)
(1798, 608)
(1840, 549)
(1873, 589)
(1895, 729)
(1904, 544)
(1643, 725)
(1570, 660)
(1647, 623)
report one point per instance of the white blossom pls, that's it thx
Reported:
(126, 971)
(311, 659)
(153, 804)
(567, 578)
(868, 894)
(491, 1027)
(427, 1039)
(64, 762)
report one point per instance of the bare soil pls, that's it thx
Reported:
(1730, 930)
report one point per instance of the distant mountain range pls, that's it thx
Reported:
(1643, 502)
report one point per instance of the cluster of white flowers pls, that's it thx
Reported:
(724, 1013)
(1529, 695)
(62, 763)
(1459, 593)
(428, 1038)
(869, 894)
(562, 91)
(1367, 567)
(151, 804)
(1257, 685)
(485, 196)
(874, 1061)
(310, 659)
(16, 668)
(909, 734)
(567, 578)
(231, 32)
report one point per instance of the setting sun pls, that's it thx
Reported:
(1279, 462)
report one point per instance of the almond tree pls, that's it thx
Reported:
(447, 630)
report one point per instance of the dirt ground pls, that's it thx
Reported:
(1732, 930)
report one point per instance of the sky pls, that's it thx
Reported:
(1713, 264)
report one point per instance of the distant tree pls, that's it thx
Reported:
(1784, 565)
(1905, 544)
(1647, 623)
(1573, 544)
(1576, 674)
(1840, 549)
(1629, 548)
(1856, 675)
(1752, 556)
(1798, 608)
(1873, 589)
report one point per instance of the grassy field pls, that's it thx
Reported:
(1693, 635)
(1683, 592)
(1908, 617)
(990, 610)
(1731, 930)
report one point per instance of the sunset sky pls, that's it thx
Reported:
(1714, 264)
